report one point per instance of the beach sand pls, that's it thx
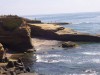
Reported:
(41, 44)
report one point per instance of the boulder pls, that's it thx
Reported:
(68, 44)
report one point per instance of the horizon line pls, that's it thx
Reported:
(59, 13)
(52, 13)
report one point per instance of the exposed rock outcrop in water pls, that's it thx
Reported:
(56, 32)
(69, 44)
(13, 34)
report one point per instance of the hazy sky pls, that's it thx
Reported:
(31, 7)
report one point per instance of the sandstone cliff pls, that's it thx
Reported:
(56, 32)
(13, 35)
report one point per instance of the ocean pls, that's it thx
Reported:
(82, 60)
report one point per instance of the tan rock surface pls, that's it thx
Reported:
(56, 32)
(57, 28)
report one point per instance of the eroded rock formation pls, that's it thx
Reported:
(13, 35)
(56, 32)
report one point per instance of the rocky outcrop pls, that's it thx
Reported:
(18, 40)
(69, 44)
(14, 68)
(37, 31)
(56, 32)
(13, 35)
(79, 37)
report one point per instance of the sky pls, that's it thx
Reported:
(36, 7)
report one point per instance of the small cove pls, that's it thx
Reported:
(82, 60)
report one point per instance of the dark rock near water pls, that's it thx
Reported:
(14, 68)
(28, 69)
(69, 44)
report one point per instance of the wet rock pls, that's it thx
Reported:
(14, 68)
(30, 51)
(59, 46)
(52, 48)
(19, 65)
(28, 69)
(69, 44)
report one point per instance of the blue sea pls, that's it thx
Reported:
(82, 60)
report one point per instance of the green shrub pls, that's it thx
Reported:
(11, 23)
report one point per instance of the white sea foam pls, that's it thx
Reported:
(96, 60)
(91, 53)
(82, 22)
(45, 58)
(51, 59)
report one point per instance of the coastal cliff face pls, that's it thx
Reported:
(16, 33)
(56, 32)
(50, 31)
(38, 31)
(13, 35)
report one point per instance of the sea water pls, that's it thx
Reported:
(82, 60)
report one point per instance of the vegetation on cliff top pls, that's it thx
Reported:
(15, 33)
(11, 22)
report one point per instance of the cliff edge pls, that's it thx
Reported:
(56, 32)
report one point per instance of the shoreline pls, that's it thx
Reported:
(52, 36)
